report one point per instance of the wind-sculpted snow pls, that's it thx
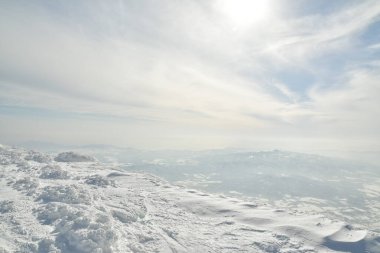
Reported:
(53, 172)
(70, 194)
(38, 157)
(99, 180)
(64, 207)
(27, 185)
(71, 157)
(75, 230)
(6, 206)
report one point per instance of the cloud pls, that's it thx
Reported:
(302, 38)
(119, 76)
(350, 107)
(181, 70)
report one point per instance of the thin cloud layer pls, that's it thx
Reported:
(190, 71)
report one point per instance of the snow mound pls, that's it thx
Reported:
(53, 172)
(99, 180)
(70, 194)
(38, 157)
(26, 184)
(63, 207)
(76, 229)
(348, 234)
(9, 156)
(123, 216)
(72, 157)
(347, 239)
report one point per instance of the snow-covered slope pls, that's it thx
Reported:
(81, 205)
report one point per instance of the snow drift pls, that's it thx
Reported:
(74, 204)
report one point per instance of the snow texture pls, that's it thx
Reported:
(38, 157)
(71, 157)
(53, 172)
(59, 206)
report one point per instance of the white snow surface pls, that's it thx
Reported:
(86, 206)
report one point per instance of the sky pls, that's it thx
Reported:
(288, 74)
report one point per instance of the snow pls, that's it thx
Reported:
(37, 157)
(76, 204)
(73, 157)
(53, 172)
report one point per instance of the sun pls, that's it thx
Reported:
(244, 13)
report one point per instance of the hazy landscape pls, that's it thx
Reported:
(189, 126)
(70, 202)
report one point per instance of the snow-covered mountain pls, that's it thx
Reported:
(73, 203)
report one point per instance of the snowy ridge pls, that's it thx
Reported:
(81, 205)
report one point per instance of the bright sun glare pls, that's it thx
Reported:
(244, 12)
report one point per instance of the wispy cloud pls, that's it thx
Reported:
(185, 69)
